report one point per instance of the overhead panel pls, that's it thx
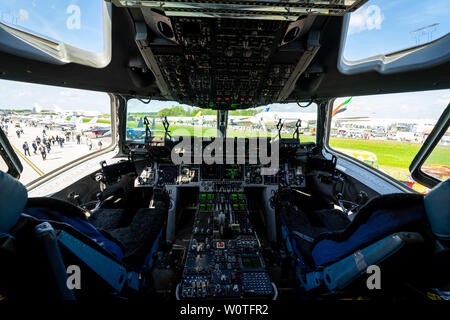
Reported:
(233, 54)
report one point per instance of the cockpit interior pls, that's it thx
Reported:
(197, 218)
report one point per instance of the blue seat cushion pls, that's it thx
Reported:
(80, 225)
(378, 218)
(309, 225)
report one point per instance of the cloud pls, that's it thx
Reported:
(369, 18)
(443, 99)
(23, 15)
(69, 93)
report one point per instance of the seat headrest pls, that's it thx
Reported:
(13, 198)
(437, 205)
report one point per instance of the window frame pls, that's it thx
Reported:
(427, 148)
(9, 157)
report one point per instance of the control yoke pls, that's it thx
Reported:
(166, 127)
(296, 134)
(148, 133)
(280, 127)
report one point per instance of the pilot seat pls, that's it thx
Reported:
(393, 231)
(46, 239)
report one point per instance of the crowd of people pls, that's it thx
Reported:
(44, 145)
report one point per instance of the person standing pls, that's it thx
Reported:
(34, 145)
(44, 134)
(78, 138)
(100, 145)
(43, 152)
(18, 134)
(26, 148)
(48, 146)
(90, 144)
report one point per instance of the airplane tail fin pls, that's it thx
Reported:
(336, 110)
(340, 110)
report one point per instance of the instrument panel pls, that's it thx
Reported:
(168, 174)
(224, 258)
(237, 175)
(223, 172)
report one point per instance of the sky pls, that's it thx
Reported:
(386, 26)
(22, 95)
(76, 22)
(380, 26)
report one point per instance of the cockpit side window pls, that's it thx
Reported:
(385, 132)
(49, 127)
(58, 32)
(386, 28)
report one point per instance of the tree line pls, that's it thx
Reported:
(178, 111)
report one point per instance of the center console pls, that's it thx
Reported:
(224, 258)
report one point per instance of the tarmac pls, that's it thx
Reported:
(34, 166)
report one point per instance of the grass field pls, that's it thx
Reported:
(389, 153)
(394, 157)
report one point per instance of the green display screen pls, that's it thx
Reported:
(233, 172)
(251, 262)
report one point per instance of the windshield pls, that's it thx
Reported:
(386, 131)
(186, 120)
(183, 120)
